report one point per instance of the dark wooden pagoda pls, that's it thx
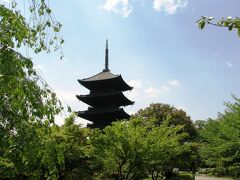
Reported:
(106, 97)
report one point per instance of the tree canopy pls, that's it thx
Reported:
(220, 141)
(130, 150)
(27, 103)
(158, 113)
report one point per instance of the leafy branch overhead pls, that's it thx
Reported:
(229, 22)
(40, 31)
(27, 104)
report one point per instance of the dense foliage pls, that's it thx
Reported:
(70, 151)
(158, 113)
(221, 141)
(26, 111)
(136, 150)
(27, 104)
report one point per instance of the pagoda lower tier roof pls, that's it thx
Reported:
(115, 99)
(105, 80)
(103, 115)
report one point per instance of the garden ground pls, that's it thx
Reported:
(210, 178)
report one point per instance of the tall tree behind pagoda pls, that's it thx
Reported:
(27, 104)
(158, 114)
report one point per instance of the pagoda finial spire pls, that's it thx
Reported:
(106, 57)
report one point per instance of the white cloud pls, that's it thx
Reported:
(60, 118)
(164, 89)
(118, 6)
(82, 121)
(67, 97)
(135, 93)
(4, 1)
(173, 82)
(135, 83)
(182, 107)
(153, 92)
(169, 6)
(38, 67)
(229, 64)
(124, 8)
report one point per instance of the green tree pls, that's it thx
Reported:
(64, 152)
(221, 141)
(25, 109)
(27, 104)
(200, 124)
(73, 140)
(158, 113)
(129, 150)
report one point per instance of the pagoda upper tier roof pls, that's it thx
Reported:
(103, 115)
(101, 76)
(105, 80)
(115, 99)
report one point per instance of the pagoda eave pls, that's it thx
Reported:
(116, 82)
(113, 98)
(107, 115)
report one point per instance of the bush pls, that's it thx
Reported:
(234, 171)
(183, 176)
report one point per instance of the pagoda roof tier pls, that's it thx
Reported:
(105, 80)
(103, 115)
(115, 99)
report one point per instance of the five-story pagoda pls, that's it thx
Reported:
(106, 97)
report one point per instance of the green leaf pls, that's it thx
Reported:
(201, 24)
(238, 31)
(69, 109)
(230, 27)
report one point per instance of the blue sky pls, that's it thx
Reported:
(155, 45)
